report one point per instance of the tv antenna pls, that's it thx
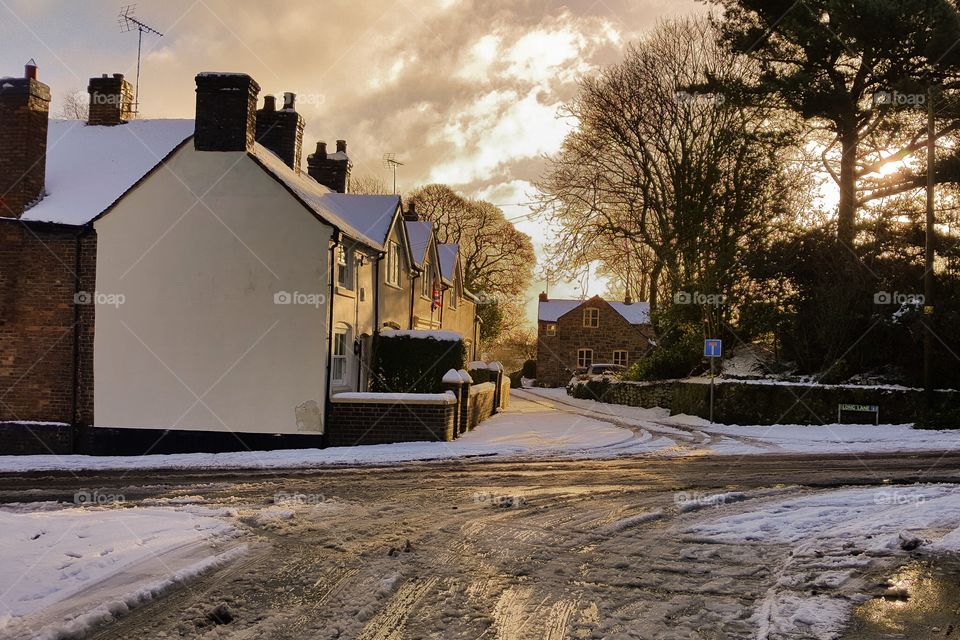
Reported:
(128, 22)
(390, 162)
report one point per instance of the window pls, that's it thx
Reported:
(591, 317)
(620, 356)
(584, 357)
(393, 264)
(343, 268)
(426, 280)
(338, 370)
(454, 296)
(551, 329)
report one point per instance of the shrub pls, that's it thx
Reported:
(529, 369)
(481, 375)
(404, 364)
(674, 358)
(515, 382)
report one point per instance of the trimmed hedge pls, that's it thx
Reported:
(481, 375)
(403, 364)
(766, 404)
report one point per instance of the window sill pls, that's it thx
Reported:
(393, 286)
(347, 293)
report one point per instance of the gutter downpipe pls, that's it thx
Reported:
(332, 278)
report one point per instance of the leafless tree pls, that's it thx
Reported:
(660, 178)
(368, 185)
(76, 105)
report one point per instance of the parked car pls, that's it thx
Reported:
(599, 371)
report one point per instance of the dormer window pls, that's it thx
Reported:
(591, 317)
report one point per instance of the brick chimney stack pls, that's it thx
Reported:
(111, 100)
(24, 116)
(331, 169)
(410, 215)
(281, 131)
(226, 112)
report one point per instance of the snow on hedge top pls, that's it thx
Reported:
(419, 234)
(364, 218)
(636, 313)
(476, 364)
(452, 336)
(90, 167)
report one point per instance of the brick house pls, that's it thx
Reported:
(201, 253)
(578, 333)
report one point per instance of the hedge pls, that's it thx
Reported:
(404, 364)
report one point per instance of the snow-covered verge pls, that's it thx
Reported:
(527, 429)
(65, 570)
(834, 536)
(782, 438)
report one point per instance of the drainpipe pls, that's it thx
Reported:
(74, 399)
(413, 294)
(332, 278)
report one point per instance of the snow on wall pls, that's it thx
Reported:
(427, 334)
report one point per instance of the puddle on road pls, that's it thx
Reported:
(922, 602)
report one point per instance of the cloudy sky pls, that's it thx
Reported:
(463, 92)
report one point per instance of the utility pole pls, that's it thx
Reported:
(929, 241)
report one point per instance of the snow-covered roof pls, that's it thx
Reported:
(448, 260)
(420, 234)
(636, 313)
(90, 167)
(362, 217)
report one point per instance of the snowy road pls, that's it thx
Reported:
(547, 540)
(654, 548)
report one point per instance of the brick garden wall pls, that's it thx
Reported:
(42, 332)
(480, 404)
(353, 423)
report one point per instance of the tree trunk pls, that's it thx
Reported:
(847, 209)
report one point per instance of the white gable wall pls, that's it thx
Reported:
(199, 315)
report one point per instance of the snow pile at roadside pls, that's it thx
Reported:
(525, 429)
(49, 556)
(833, 536)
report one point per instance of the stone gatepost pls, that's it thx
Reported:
(454, 383)
(465, 406)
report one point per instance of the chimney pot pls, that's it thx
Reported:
(543, 297)
(281, 131)
(333, 173)
(30, 70)
(289, 100)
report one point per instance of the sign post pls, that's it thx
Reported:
(713, 349)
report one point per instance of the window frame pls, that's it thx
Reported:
(626, 357)
(591, 318)
(584, 361)
(426, 282)
(344, 270)
(393, 264)
(341, 361)
(551, 329)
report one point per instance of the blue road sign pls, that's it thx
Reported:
(713, 348)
